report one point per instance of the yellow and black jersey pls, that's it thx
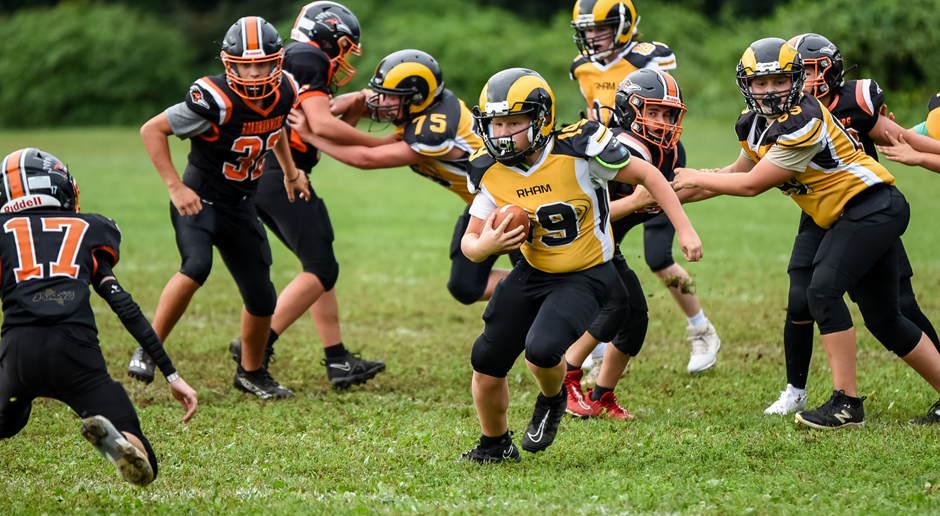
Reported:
(434, 133)
(839, 171)
(599, 82)
(856, 106)
(565, 194)
(931, 127)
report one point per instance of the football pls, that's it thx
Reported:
(520, 217)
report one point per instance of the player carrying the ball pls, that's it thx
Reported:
(551, 296)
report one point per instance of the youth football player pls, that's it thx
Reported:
(791, 141)
(605, 32)
(232, 120)
(51, 254)
(552, 295)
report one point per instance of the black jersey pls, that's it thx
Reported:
(663, 159)
(46, 266)
(856, 105)
(230, 156)
(313, 71)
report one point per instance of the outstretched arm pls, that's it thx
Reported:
(764, 176)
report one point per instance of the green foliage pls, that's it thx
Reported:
(88, 64)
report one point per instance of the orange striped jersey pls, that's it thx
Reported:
(564, 192)
(229, 156)
(46, 265)
(931, 127)
(599, 82)
(312, 70)
(436, 131)
(838, 171)
(855, 104)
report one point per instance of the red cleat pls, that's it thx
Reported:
(609, 402)
(579, 405)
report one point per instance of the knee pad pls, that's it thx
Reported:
(658, 261)
(261, 300)
(464, 291)
(483, 361)
(197, 268)
(632, 334)
(545, 356)
(328, 274)
(798, 304)
(894, 332)
(828, 309)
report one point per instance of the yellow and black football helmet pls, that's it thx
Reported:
(766, 57)
(412, 74)
(825, 69)
(620, 15)
(515, 91)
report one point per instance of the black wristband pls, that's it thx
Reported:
(137, 325)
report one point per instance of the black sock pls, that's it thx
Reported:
(557, 399)
(569, 367)
(598, 392)
(242, 370)
(492, 441)
(798, 348)
(337, 351)
(272, 338)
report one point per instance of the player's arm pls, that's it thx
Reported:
(902, 152)
(323, 124)
(483, 240)
(639, 171)
(294, 179)
(350, 107)
(762, 177)
(641, 198)
(121, 302)
(155, 133)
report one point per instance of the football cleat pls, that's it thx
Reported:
(791, 400)
(543, 427)
(705, 346)
(131, 462)
(840, 411)
(505, 450)
(351, 370)
(235, 348)
(594, 370)
(933, 416)
(142, 367)
(609, 402)
(578, 404)
(261, 384)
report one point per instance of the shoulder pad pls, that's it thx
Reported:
(652, 55)
(207, 99)
(635, 145)
(584, 139)
(104, 235)
(934, 102)
(433, 132)
(802, 126)
(480, 163)
(309, 66)
(743, 126)
(577, 63)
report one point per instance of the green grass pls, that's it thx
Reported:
(700, 445)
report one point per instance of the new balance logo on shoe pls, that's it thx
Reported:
(343, 367)
(843, 416)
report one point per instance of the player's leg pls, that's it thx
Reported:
(908, 301)
(194, 242)
(658, 236)
(470, 281)
(17, 357)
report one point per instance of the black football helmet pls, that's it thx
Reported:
(644, 88)
(412, 74)
(252, 40)
(766, 57)
(515, 91)
(334, 29)
(823, 62)
(35, 179)
(619, 15)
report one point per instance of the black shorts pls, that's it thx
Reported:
(303, 226)
(63, 363)
(624, 318)
(242, 242)
(540, 313)
(468, 279)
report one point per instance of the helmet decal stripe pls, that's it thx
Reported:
(252, 33)
(672, 89)
(3, 172)
(11, 175)
(22, 175)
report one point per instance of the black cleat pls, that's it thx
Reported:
(933, 416)
(142, 367)
(129, 461)
(351, 370)
(505, 450)
(544, 424)
(261, 384)
(235, 348)
(841, 411)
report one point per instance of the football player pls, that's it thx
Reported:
(856, 104)
(325, 35)
(51, 254)
(649, 112)
(552, 295)
(437, 141)
(791, 141)
(901, 151)
(605, 32)
(232, 120)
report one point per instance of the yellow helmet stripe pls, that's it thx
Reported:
(522, 87)
(401, 71)
(749, 60)
(788, 55)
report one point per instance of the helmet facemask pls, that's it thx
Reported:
(396, 114)
(343, 72)
(776, 103)
(664, 135)
(253, 89)
(504, 148)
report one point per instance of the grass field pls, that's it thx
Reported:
(700, 445)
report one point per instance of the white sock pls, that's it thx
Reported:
(599, 350)
(697, 319)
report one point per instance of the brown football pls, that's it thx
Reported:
(519, 218)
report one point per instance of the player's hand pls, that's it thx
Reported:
(187, 201)
(685, 178)
(298, 124)
(643, 197)
(690, 244)
(348, 104)
(899, 150)
(184, 394)
(496, 240)
(299, 184)
(392, 138)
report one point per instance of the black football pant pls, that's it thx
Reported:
(468, 279)
(52, 363)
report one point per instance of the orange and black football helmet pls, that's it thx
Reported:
(34, 179)
(618, 15)
(825, 69)
(768, 57)
(334, 29)
(252, 40)
(644, 88)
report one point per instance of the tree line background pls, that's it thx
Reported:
(85, 62)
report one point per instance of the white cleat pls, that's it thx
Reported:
(705, 346)
(791, 400)
(129, 461)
